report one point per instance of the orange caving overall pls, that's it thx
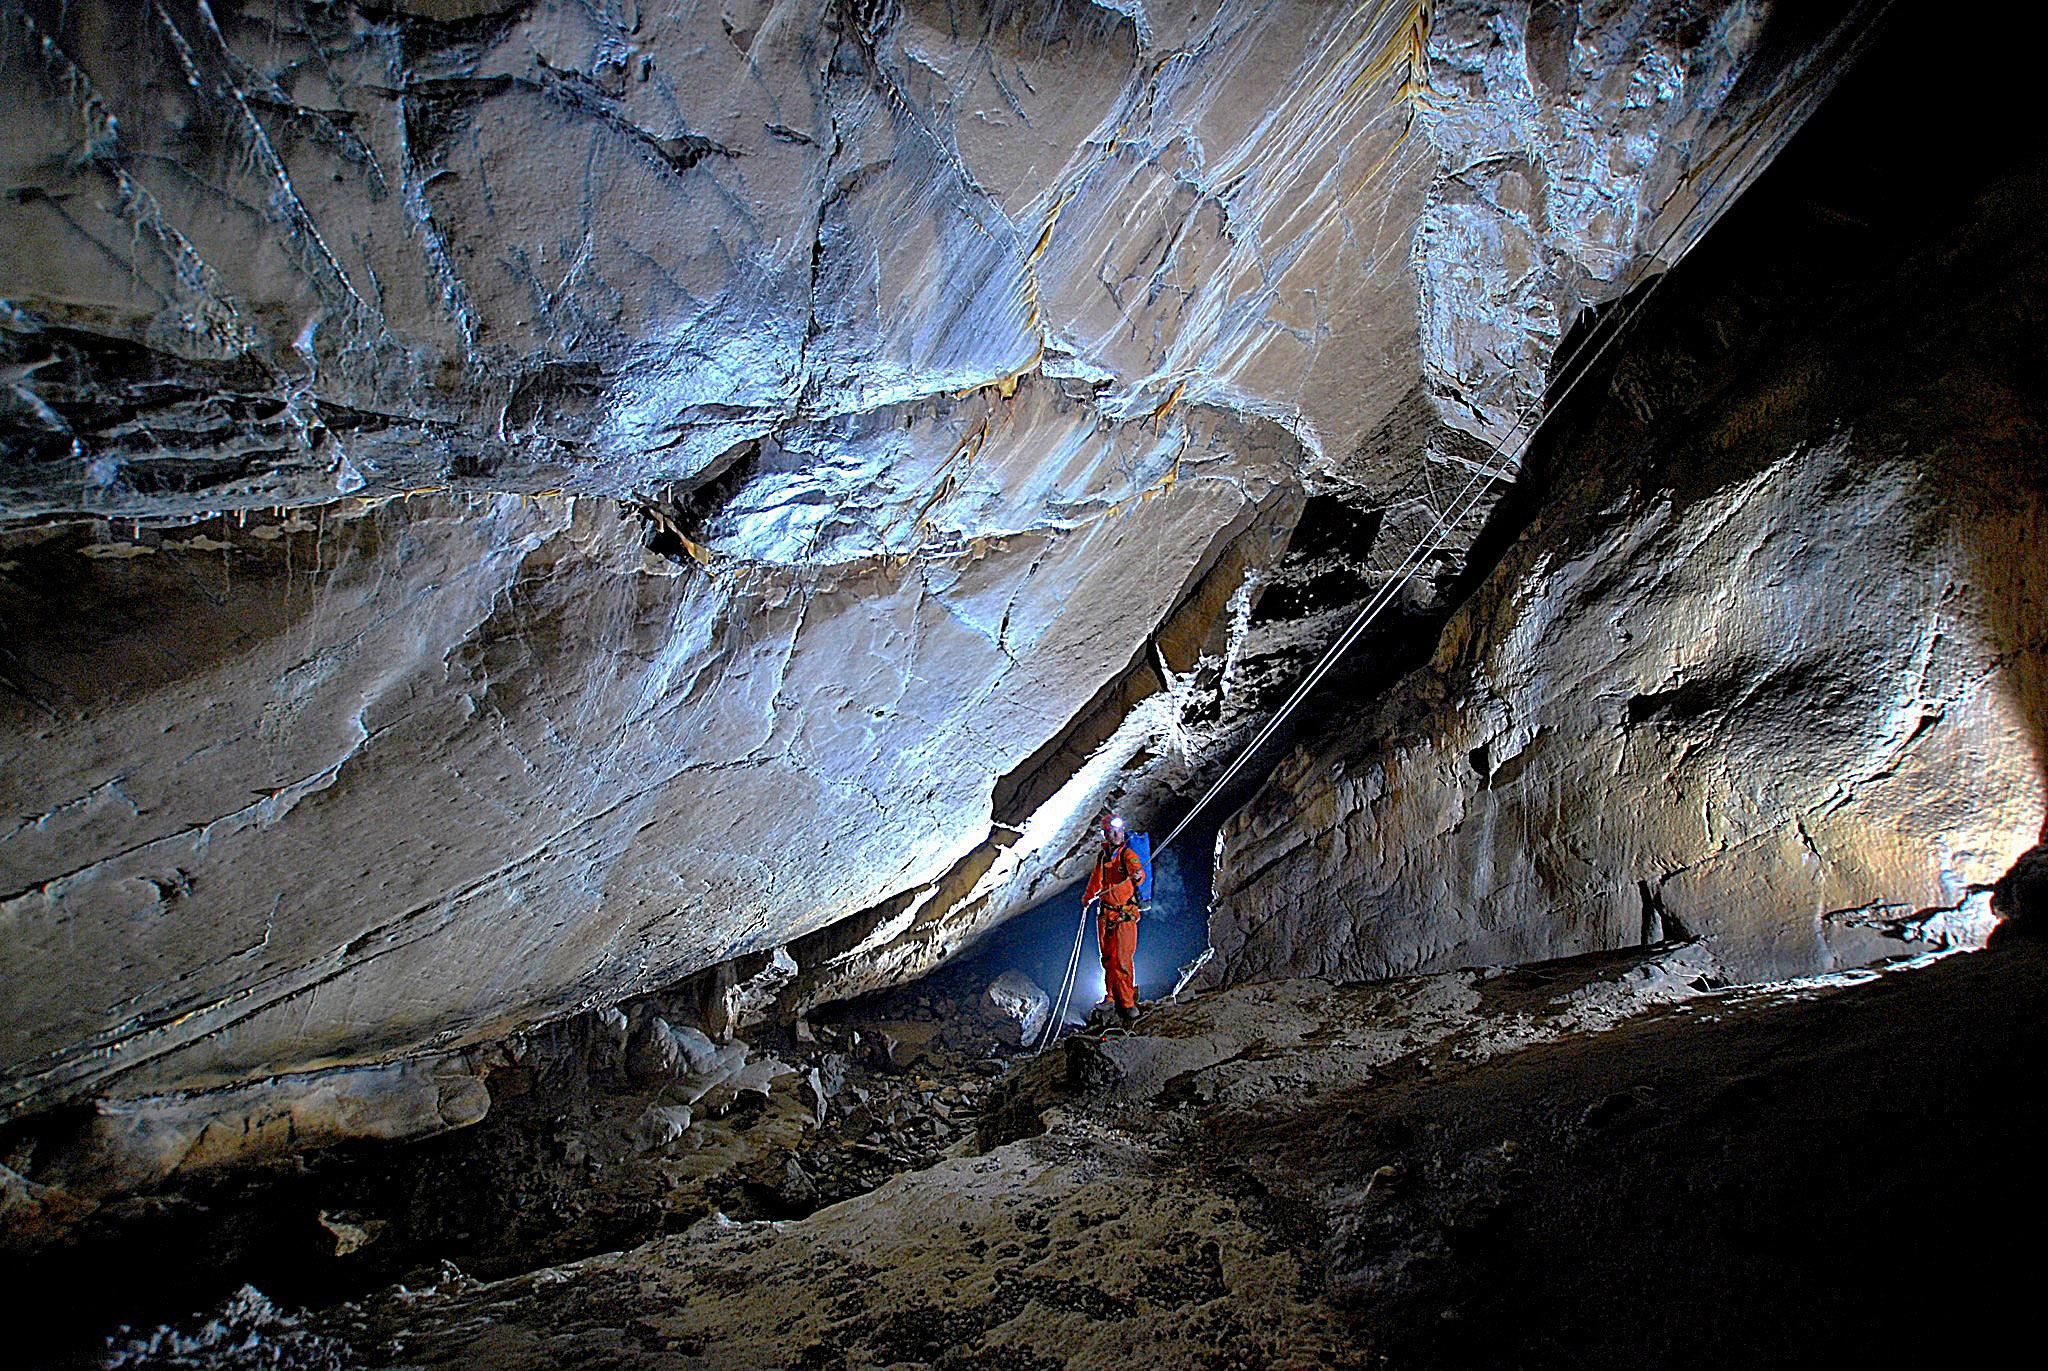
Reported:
(1118, 874)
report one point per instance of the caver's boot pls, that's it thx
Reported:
(1128, 1013)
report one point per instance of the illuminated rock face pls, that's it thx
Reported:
(1767, 667)
(967, 367)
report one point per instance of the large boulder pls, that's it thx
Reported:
(660, 1126)
(1017, 1006)
(2020, 899)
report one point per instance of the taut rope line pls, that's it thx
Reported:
(1484, 477)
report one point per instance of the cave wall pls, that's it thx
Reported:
(346, 810)
(507, 505)
(1767, 664)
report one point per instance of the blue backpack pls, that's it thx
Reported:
(1141, 843)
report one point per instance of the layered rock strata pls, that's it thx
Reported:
(961, 368)
(1768, 666)
(605, 1131)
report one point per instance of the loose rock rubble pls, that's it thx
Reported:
(248, 1331)
(604, 1131)
(1461, 1170)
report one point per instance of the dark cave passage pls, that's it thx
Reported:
(1173, 933)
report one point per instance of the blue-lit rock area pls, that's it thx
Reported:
(575, 576)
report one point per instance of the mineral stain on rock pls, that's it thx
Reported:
(563, 567)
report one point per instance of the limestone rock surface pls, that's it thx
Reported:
(509, 505)
(134, 1145)
(1768, 664)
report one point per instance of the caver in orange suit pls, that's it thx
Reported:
(1118, 874)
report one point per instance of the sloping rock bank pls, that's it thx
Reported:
(1601, 1162)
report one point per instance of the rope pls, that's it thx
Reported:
(1059, 1006)
(1484, 477)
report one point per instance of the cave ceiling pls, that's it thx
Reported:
(507, 505)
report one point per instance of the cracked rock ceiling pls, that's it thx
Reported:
(507, 505)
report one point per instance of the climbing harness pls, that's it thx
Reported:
(1527, 424)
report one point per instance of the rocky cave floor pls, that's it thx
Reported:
(589, 1147)
(1608, 1161)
